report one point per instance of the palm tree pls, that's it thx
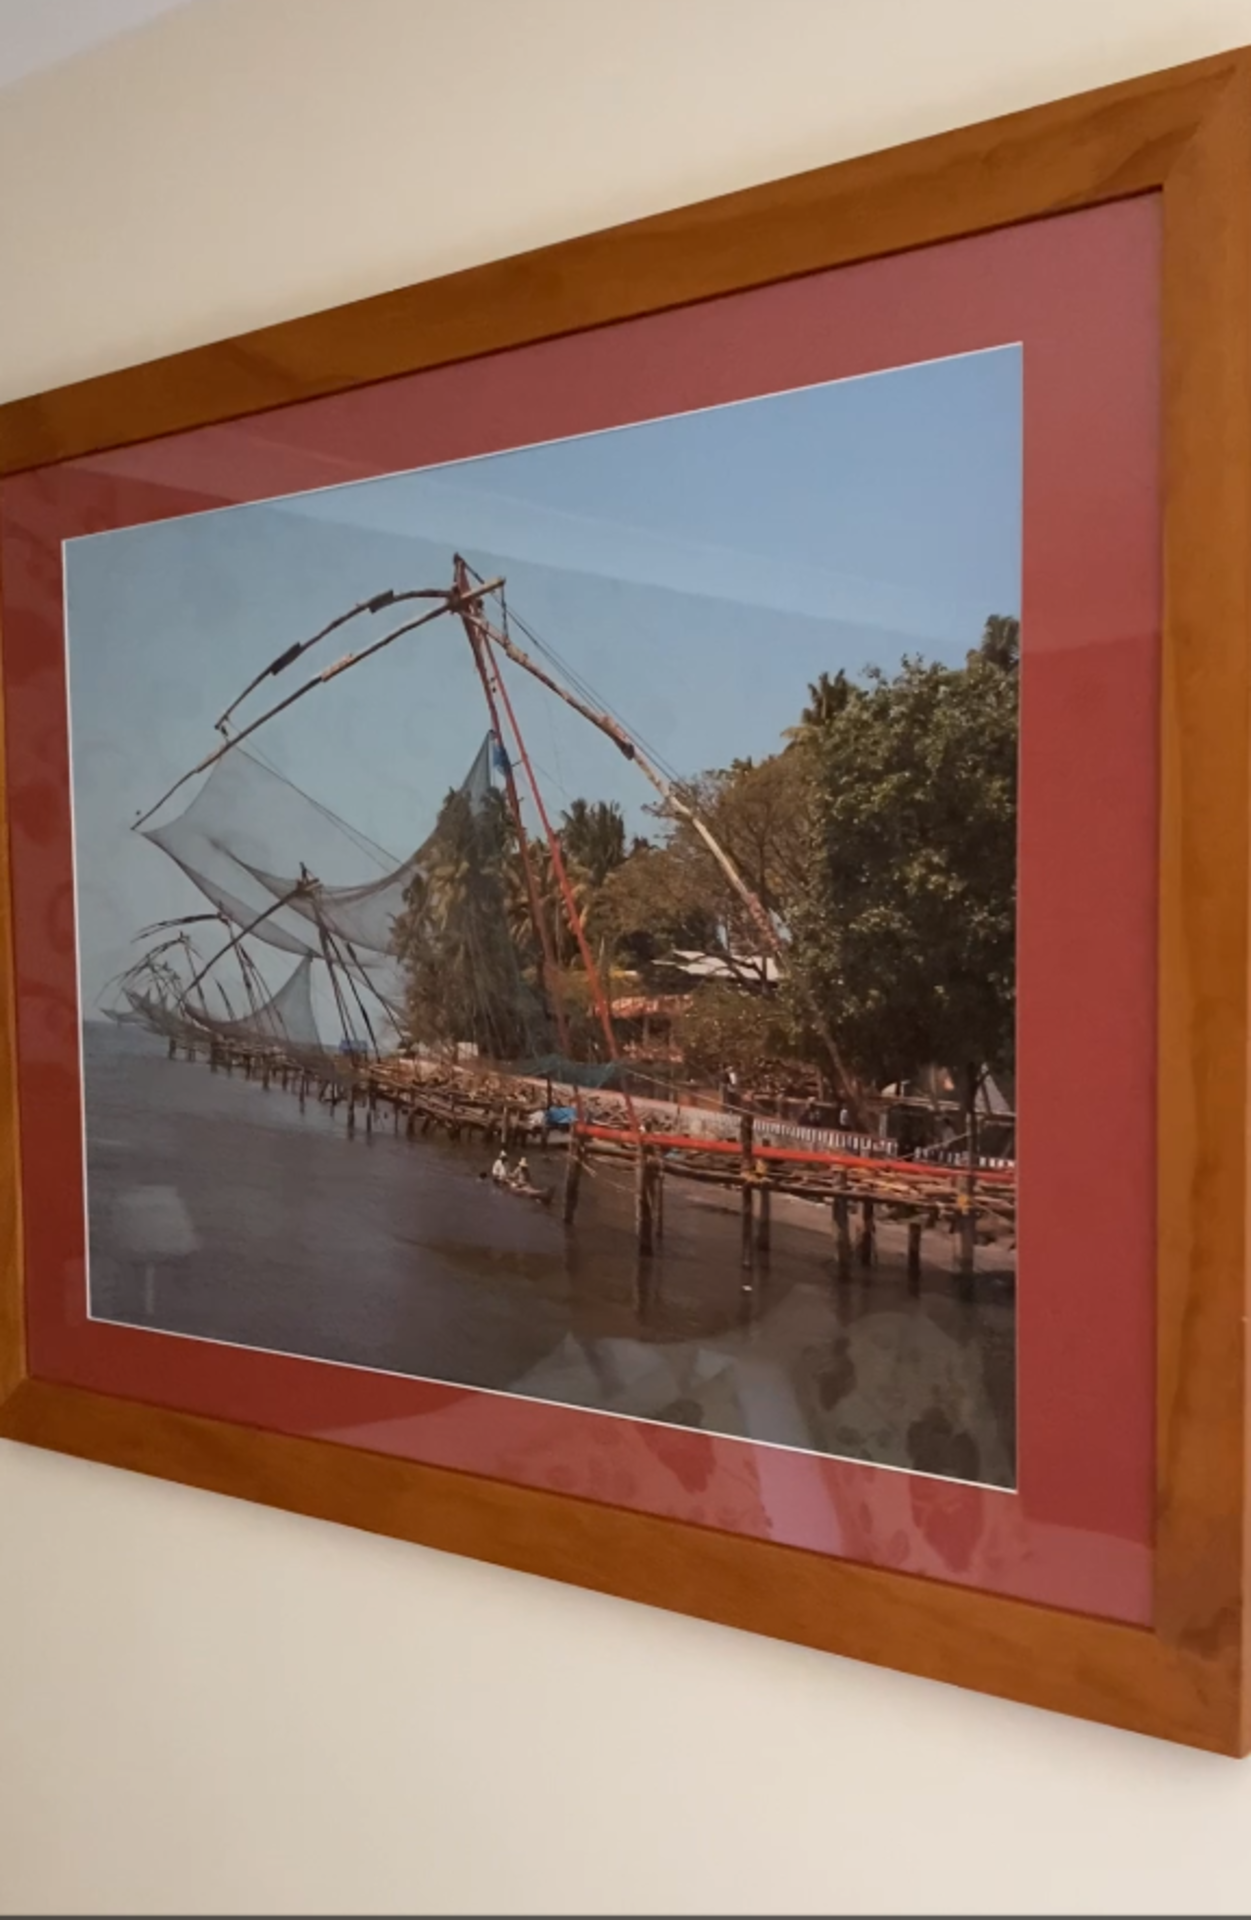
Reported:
(465, 973)
(1001, 641)
(593, 836)
(826, 698)
(554, 906)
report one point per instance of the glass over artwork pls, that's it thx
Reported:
(548, 923)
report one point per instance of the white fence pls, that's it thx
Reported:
(786, 1133)
(957, 1157)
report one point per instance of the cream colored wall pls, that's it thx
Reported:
(208, 1707)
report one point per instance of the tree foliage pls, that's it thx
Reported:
(675, 895)
(906, 933)
(593, 837)
(725, 1027)
(468, 964)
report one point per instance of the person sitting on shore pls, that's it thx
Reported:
(499, 1172)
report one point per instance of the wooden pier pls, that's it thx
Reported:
(859, 1192)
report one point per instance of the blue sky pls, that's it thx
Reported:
(697, 571)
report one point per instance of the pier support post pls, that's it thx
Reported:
(842, 1227)
(914, 1256)
(746, 1136)
(748, 1250)
(573, 1181)
(867, 1248)
(643, 1216)
(764, 1218)
(966, 1219)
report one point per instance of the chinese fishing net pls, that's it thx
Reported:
(437, 947)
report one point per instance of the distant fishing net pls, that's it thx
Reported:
(286, 1019)
(433, 940)
(250, 837)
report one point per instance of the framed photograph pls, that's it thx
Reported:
(626, 910)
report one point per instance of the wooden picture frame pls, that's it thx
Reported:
(1186, 136)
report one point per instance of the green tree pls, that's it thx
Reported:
(593, 838)
(723, 1026)
(827, 696)
(905, 935)
(557, 905)
(1001, 642)
(676, 895)
(469, 968)
(659, 899)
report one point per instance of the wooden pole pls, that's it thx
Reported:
(763, 1222)
(746, 1132)
(573, 1181)
(914, 1256)
(643, 1201)
(867, 1248)
(842, 1226)
(966, 1236)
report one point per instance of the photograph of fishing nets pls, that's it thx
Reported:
(547, 923)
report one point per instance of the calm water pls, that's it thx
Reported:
(218, 1209)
